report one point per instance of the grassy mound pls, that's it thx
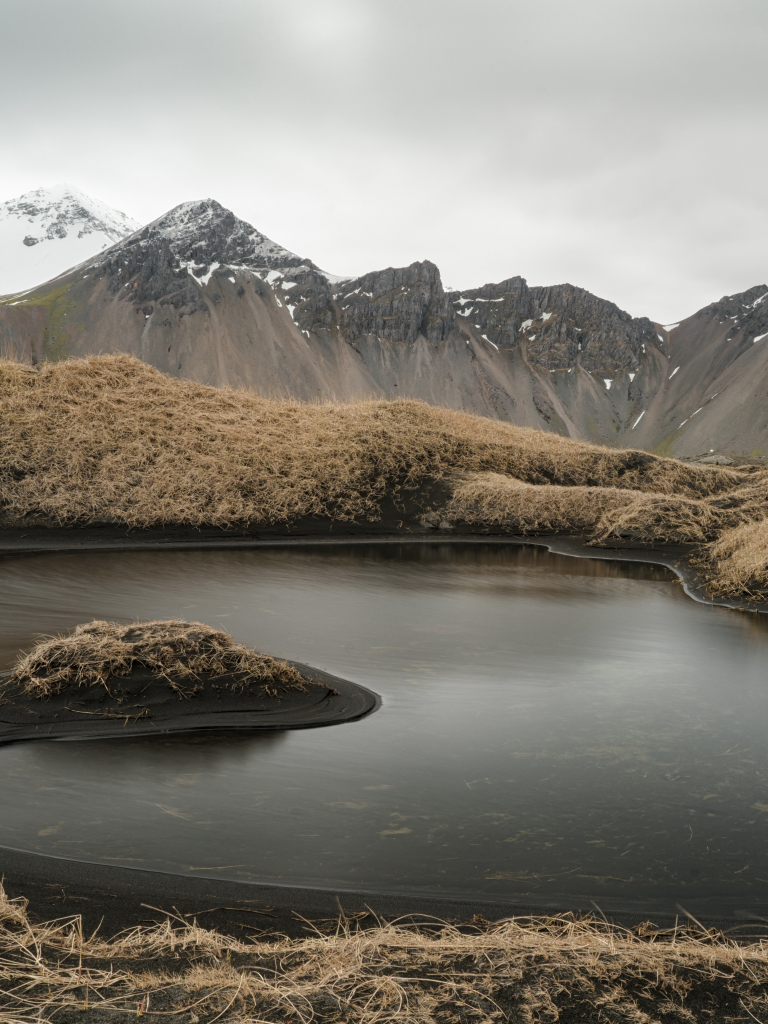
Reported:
(523, 971)
(112, 439)
(608, 513)
(737, 562)
(172, 650)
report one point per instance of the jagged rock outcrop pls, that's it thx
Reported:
(162, 262)
(396, 305)
(560, 326)
(745, 314)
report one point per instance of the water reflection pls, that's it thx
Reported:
(553, 729)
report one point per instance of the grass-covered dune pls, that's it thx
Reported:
(112, 439)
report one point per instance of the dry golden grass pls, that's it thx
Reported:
(526, 970)
(97, 651)
(110, 439)
(605, 513)
(738, 561)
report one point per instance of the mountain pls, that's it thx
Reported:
(716, 391)
(201, 294)
(44, 233)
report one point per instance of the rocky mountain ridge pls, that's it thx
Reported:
(166, 259)
(200, 293)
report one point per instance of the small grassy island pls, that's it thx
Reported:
(109, 444)
(105, 679)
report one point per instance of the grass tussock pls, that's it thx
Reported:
(94, 653)
(110, 439)
(606, 513)
(737, 562)
(525, 971)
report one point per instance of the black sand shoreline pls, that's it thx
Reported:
(327, 700)
(113, 898)
(37, 540)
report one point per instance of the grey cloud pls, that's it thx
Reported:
(617, 145)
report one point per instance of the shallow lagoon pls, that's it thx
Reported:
(554, 731)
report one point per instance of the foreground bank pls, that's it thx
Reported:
(520, 970)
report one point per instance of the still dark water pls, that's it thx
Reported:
(553, 730)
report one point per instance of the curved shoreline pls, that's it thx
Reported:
(102, 540)
(344, 701)
(115, 897)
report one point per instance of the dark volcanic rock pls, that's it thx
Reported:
(170, 258)
(396, 305)
(746, 311)
(310, 298)
(560, 326)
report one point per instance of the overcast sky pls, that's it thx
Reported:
(621, 145)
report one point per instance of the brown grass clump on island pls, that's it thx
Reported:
(172, 650)
(110, 439)
(524, 971)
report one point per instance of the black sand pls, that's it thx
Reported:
(116, 897)
(144, 704)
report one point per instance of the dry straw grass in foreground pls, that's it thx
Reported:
(112, 439)
(97, 651)
(521, 970)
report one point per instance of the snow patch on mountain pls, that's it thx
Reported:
(198, 240)
(187, 225)
(46, 232)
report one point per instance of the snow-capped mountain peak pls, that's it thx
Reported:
(47, 231)
(203, 231)
(192, 242)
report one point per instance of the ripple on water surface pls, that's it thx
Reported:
(554, 730)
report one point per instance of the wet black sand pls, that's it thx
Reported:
(114, 898)
(143, 704)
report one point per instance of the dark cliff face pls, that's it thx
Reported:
(167, 260)
(560, 326)
(746, 313)
(171, 261)
(396, 305)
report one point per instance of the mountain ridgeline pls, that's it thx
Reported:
(200, 294)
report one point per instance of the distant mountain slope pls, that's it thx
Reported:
(48, 231)
(201, 294)
(716, 391)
